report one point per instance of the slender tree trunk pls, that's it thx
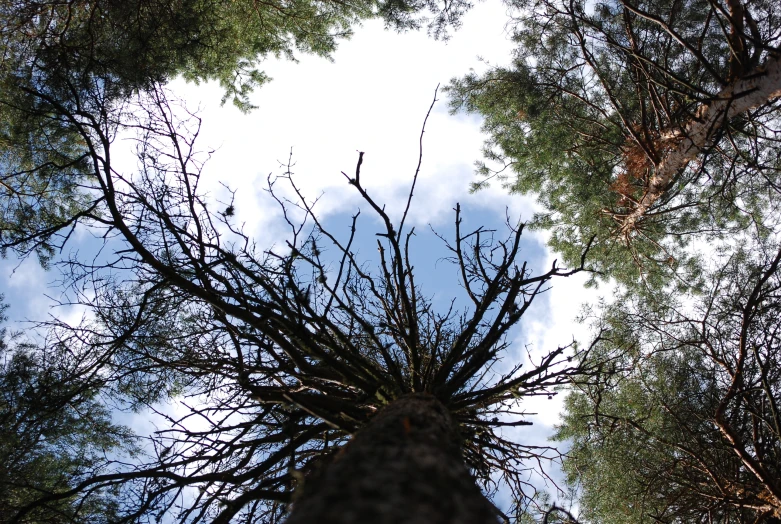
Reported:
(405, 466)
(746, 93)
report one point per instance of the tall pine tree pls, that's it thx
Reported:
(645, 125)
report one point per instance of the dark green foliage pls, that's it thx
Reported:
(595, 100)
(43, 176)
(88, 57)
(686, 425)
(138, 43)
(590, 115)
(55, 432)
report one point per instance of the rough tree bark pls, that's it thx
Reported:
(405, 466)
(749, 92)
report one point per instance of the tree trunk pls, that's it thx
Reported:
(739, 97)
(405, 466)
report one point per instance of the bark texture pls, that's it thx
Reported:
(743, 95)
(405, 466)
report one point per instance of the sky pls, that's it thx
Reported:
(372, 97)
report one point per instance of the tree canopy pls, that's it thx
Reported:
(644, 125)
(55, 431)
(690, 429)
(650, 131)
(59, 53)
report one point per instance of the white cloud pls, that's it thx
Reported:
(372, 98)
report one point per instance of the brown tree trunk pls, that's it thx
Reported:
(405, 466)
(739, 97)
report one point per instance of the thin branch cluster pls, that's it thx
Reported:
(281, 353)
